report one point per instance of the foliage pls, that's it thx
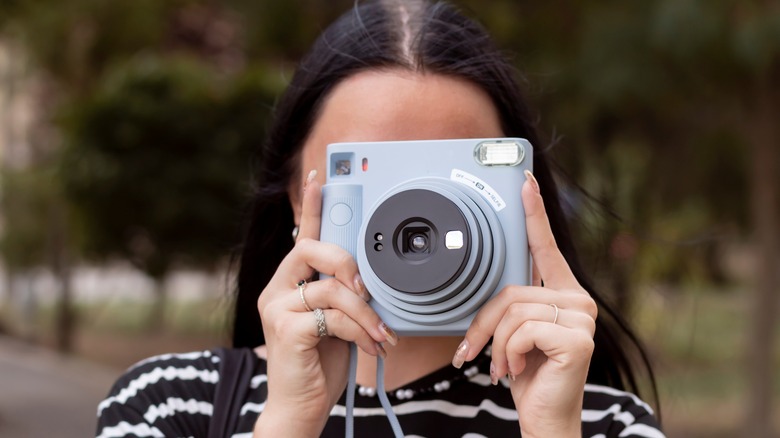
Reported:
(75, 44)
(156, 161)
(28, 208)
(651, 98)
(648, 106)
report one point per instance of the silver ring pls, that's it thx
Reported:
(555, 318)
(301, 287)
(322, 328)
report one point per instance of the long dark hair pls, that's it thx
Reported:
(422, 37)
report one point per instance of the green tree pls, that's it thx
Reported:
(65, 49)
(73, 49)
(32, 236)
(713, 102)
(156, 163)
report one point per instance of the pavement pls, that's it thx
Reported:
(45, 394)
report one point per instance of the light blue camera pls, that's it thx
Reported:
(437, 227)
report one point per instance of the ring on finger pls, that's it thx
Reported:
(322, 328)
(555, 318)
(302, 287)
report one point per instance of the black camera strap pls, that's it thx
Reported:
(236, 370)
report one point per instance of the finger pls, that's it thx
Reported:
(331, 294)
(552, 266)
(309, 256)
(536, 277)
(311, 209)
(566, 348)
(339, 325)
(489, 316)
(518, 314)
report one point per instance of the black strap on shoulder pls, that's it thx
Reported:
(236, 369)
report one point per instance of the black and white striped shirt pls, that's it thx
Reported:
(172, 396)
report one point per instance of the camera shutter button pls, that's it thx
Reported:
(340, 214)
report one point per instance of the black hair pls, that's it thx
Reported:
(423, 37)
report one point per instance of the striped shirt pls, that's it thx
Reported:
(172, 396)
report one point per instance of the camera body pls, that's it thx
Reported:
(437, 227)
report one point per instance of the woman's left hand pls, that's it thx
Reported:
(545, 350)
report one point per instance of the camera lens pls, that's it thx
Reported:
(418, 243)
(444, 254)
(415, 260)
(415, 240)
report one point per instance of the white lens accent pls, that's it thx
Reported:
(453, 240)
(499, 153)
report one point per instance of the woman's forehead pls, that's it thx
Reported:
(403, 105)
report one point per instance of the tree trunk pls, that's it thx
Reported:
(66, 321)
(29, 310)
(766, 227)
(11, 298)
(159, 307)
(60, 263)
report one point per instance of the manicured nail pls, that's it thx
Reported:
(309, 178)
(381, 350)
(460, 354)
(532, 179)
(360, 287)
(390, 335)
(493, 376)
(511, 377)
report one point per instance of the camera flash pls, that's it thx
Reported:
(453, 240)
(365, 164)
(499, 153)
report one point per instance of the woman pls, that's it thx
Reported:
(395, 70)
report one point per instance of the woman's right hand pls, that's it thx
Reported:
(307, 373)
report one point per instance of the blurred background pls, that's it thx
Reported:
(127, 129)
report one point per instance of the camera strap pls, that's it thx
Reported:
(380, 390)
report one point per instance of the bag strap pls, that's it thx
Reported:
(236, 369)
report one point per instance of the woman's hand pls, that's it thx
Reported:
(307, 373)
(542, 336)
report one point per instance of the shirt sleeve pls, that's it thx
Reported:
(608, 413)
(168, 395)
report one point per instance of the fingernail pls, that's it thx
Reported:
(460, 354)
(309, 178)
(381, 350)
(360, 287)
(532, 179)
(511, 377)
(390, 335)
(493, 376)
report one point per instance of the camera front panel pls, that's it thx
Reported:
(437, 227)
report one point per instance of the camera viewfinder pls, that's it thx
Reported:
(343, 167)
(341, 164)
